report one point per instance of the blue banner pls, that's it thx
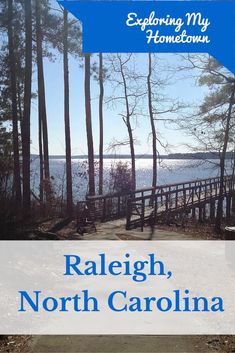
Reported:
(158, 26)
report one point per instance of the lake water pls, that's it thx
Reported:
(169, 171)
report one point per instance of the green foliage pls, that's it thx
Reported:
(52, 27)
(213, 111)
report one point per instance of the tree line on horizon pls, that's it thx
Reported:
(32, 31)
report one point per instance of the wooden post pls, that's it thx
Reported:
(228, 207)
(233, 203)
(169, 197)
(176, 197)
(166, 203)
(119, 206)
(155, 209)
(142, 215)
(212, 210)
(204, 212)
(184, 196)
(193, 213)
(161, 197)
(166, 208)
(104, 210)
(199, 193)
(193, 191)
(128, 213)
(91, 209)
(216, 188)
(200, 214)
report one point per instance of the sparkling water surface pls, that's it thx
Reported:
(170, 171)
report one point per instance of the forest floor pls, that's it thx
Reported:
(115, 230)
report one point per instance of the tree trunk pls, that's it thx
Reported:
(101, 147)
(129, 129)
(233, 164)
(44, 159)
(27, 108)
(219, 214)
(40, 144)
(41, 161)
(67, 119)
(19, 102)
(153, 128)
(132, 150)
(12, 62)
(90, 148)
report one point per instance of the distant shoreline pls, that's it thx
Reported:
(180, 156)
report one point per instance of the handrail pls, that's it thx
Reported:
(162, 186)
(179, 198)
(116, 205)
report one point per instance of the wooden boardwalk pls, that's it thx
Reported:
(197, 198)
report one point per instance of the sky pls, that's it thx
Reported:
(182, 88)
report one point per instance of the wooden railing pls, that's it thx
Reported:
(113, 206)
(163, 198)
(168, 200)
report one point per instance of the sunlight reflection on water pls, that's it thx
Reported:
(169, 172)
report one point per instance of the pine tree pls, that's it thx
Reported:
(67, 118)
(42, 114)
(212, 125)
(27, 108)
(152, 122)
(101, 123)
(90, 148)
(14, 110)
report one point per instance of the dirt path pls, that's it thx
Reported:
(121, 344)
(115, 230)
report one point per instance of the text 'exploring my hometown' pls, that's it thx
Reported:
(158, 26)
